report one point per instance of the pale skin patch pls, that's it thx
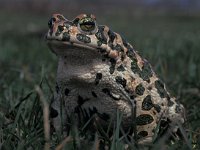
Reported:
(113, 54)
(73, 31)
(140, 62)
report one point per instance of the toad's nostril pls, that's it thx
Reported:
(51, 22)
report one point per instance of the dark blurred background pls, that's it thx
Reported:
(138, 8)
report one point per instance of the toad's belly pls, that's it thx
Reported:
(87, 103)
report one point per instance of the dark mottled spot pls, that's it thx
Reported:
(78, 109)
(120, 68)
(67, 24)
(178, 109)
(107, 91)
(57, 33)
(134, 66)
(66, 91)
(159, 84)
(85, 114)
(118, 48)
(81, 100)
(51, 32)
(99, 43)
(124, 42)
(147, 103)
(144, 119)
(127, 45)
(160, 88)
(60, 17)
(66, 36)
(53, 112)
(142, 134)
(121, 81)
(170, 103)
(111, 35)
(83, 38)
(154, 130)
(105, 56)
(133, 96)
(51, 22)
(164, 126)
(101, 50)
(57, 88)
(98, 78)
(104, 116)
(139, 90)
(94, 94)
(149, 88)
(60, 28)
(157, 107)
(110, 44)
(100, 35)
(103, 59)
(131, 54)
(92, 111)
(123, 56)
(164, 123)
(112, 66)
(127, 91)
(168, 97)
(146, 72)
(75, 21)
(154, 113)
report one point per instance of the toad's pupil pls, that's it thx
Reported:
(88, 23)
(87, 26)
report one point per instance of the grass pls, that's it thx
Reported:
(28, 68)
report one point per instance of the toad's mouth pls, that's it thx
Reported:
(74, 53)
(60, 47)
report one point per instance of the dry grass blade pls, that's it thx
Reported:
(96, 143)
(46, 117)
(184, 134)
(64, 142)
(23, 99)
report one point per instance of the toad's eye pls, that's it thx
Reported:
(87, 24)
